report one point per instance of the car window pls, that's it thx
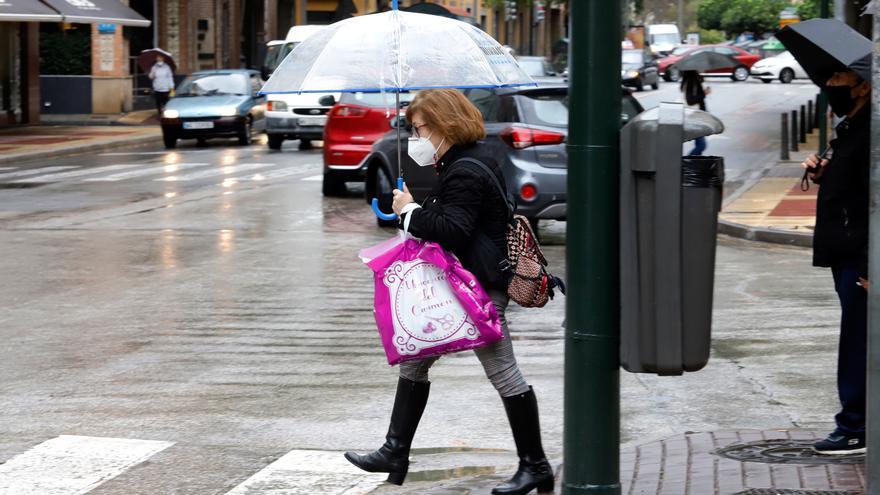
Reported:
(534, 67)
(256, 84)
(633, 57)
(630, 107)
(486, 101)
(545, 109)
(376, 100)
(214, 84)
(726, 51)
(681, 50)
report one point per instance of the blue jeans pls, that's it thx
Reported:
(852, 353)
(699, 146)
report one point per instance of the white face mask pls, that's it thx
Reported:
(422, 151)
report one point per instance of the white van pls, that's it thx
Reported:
(293, 116)
(663, 38)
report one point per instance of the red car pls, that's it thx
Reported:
(353, 125)
(739, 73)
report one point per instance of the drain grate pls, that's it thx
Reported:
(773, 491)
(784, 452)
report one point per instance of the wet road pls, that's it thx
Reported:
(213, 334)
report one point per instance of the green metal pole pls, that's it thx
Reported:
(873, 383)
(822, 101)
(592, 378)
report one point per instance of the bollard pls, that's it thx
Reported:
(810, 117)
(803, 127)
(794, 130)
(816, 113)
(783, 152)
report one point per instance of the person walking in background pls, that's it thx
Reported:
(163, 82)
(840, 242)
(695, 95)
(467, 214)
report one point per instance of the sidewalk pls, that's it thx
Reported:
(779, 462)
(775, 209)
(63, 135)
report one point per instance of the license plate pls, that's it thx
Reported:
(313, 121)
(198, 125)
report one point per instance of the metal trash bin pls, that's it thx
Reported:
(669, 209)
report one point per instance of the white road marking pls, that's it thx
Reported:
(44, 170)
(129, 153)
(310, 471)
(220, 170)
(273, 174)
(151, 170)
(6, 168)
(75, 173)
(72, 465)
(313, 178)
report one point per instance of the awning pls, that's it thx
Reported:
(97, 12)
(26, 11)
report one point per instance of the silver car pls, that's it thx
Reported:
(526, 127)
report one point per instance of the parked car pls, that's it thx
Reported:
(783, 67)
(738, 73)
(539, 69)
(355, 122)
(215, 103)
(638, 69)
(526, 127)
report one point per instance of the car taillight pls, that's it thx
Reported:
(348, 112)
(528, 192)
(522, 137)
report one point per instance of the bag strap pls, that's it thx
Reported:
(511, 206)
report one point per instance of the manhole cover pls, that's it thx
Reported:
(784, 452)
(773, 491)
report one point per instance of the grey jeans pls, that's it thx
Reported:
(498, 360)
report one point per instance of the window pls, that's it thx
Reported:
(730, 52)
(545, 109)
(214, 84)
(486, 101)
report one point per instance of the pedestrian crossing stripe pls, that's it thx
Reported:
(314, 178)
(74, 173)
(310, 471)
(151, 170)
(223, 170)
(33, 171)
(273, 174)
(73, 465)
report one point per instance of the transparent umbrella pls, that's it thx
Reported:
(392, 52)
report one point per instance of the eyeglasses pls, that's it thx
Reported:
(416, 131)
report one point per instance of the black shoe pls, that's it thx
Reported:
(534, 470)
(839, 444)
(393, 456)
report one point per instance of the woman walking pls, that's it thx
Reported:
(467, 215)
(695, 95)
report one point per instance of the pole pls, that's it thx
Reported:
(591, 446)
(681, 26)
(822, 101)
(795, 138)
(803, 124)
(810, 119)
(783, 154)
(872, 465)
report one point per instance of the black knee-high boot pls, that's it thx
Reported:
(393, 456)
(534, 470)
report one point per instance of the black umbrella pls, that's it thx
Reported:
(704, 61)
(826, 46)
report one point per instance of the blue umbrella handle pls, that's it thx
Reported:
(378, 212)
(394, 7)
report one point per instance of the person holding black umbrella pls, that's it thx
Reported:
(837, 58)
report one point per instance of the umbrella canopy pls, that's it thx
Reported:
(704, 61)
(148, 57)
(826, 46)
(396, 51)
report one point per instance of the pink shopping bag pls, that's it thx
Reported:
(426, 303)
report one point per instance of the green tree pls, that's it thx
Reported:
(757, 16)
(808, 9)
(710, 12)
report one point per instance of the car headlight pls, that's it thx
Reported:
(170, 114)
(229, 112)
(277, 106)
(632, 73)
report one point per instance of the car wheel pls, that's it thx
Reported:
(244, 135)
(672, 74)
(333, 187)
(766, 81)
(640, 86)
(305, 144)
(382, 188)
(275, 141)
(656, 85)
(740, 74)
(786, 76)
(170, 140)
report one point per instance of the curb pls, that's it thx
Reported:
(760, 234)
(82, 148)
